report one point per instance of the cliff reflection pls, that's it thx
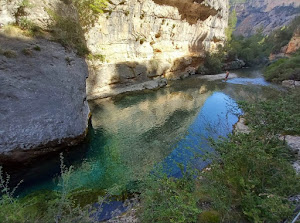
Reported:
(139, 133)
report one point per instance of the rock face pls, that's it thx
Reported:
(294, 44)
(136, 41)
(291, 83)
(234, 65)
(42, 96)
(145, 39)
(267, 14)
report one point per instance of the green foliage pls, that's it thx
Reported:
(21, 8)
(232, 21)
(169, 200)
(9, 53)
(281, 37)
(99, 57)
(251, 178)
(256, 49)
(213, 63)
(284, 69)
(209, 217)
(89, 10)
(278, 116)
(68, 32)
(251, 49)
(37, 48)
(45, 206)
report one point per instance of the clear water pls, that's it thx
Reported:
(131, 134)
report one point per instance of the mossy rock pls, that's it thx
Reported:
(209, 217)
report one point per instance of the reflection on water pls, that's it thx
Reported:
(247, 81)
(215, 119)
(132, 133)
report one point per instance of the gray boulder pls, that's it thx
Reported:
(234, 65)
(288, 83)
(42, 97)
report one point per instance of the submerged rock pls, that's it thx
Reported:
(42, 97)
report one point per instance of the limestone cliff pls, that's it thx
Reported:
(266, 14)
(135, 44)
(144, 40)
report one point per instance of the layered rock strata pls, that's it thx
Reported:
(149, 40)
(264, 14)
(138, 41)
(134, 45)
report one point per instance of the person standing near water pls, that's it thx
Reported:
(227, 74)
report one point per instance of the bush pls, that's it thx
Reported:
(68, 32)
(251, 179)
(169, 200)
(213, 63)
(45, 206)
(255, 50)
(284, 69)
(9, 53)
(89, 11)
(278, 116)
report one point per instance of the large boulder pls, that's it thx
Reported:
(42, 96)
(234, 65)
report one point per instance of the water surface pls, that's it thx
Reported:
(131, 134)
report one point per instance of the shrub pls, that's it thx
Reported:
(10, 53)
(284, 69)
(27, 52)
(278, 116)
(213, 63)
(37, 48)
(68, 33)
(251, 178)
(89, 11)
(167, 199)
(45, 206)
(99, 57)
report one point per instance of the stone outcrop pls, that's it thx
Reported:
(291, 83)
(43, 103)
(234, 65)
(266, 14)
(145, 39)
(294, 43)
(137, 41)
(134, 45)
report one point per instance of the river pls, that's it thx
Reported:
(132, 134)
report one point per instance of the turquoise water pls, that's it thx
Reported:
(131, 134)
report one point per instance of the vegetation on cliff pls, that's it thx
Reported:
(256, 49)
(284, 69)
(65, 29)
